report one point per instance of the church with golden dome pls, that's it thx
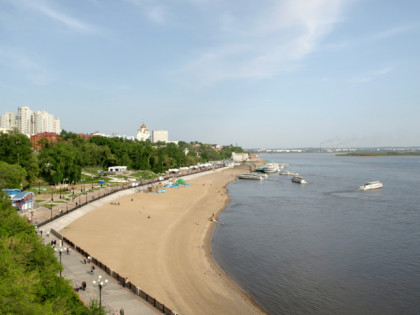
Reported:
(143, 133)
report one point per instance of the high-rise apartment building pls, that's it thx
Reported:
(8, 121)
(30, 122)
(24, 121)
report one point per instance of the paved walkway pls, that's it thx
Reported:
(114, 296)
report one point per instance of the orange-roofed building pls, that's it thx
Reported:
(51, 137)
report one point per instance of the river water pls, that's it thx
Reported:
(325, 247)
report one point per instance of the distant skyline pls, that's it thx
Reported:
(269, 74)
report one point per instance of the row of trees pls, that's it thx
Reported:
(65, 159)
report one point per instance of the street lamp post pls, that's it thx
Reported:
(51, 210)
(60, 250)
(52, 196)
(100, 284)
(39, 187)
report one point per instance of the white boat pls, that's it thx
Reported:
(299, 180)
(271, 168)
(255, 176)
(283, 165)
(287, 173)
(371, 185)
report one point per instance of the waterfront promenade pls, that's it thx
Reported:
(114, 296)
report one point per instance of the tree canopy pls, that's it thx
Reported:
(29, 283)
(64, 160)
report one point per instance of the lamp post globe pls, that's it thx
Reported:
(100, 283)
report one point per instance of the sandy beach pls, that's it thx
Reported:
(157, 240)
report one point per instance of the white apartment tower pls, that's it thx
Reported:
(45, 122)
(160, 135)
(30, 122)
(24, 122)
(8, 121)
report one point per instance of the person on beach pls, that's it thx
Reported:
(89, 259)
(92, 269)
(121, 311)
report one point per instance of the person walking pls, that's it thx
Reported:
(121, 311)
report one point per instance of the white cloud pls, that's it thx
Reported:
(157, 13)
(371, 75)
(371, 38)
(270, 39)
(154, 10)
(34, 72)
(46, 9)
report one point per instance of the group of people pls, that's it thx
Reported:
(87, 260)
(115, 203)
(80, 287)
(120, 313)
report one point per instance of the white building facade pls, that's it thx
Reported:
(8, 121)
(30, 122)
(24, 121)
(160, 135)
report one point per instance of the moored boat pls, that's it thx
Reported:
(371, 185)
(299, 180)
(255, 176)
(271, 168)
(287, 173)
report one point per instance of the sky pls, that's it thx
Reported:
(259, 74)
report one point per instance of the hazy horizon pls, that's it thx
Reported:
(273, 74)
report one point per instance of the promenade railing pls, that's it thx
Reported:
(121, 280)
(132, 287)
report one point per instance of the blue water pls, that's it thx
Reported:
(326, 247)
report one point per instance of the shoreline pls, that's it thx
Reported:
(166, 259)
(209, 254)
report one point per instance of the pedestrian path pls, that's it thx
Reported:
(60, 223)
(113, 295)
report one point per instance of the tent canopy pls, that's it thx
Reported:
(180, 182)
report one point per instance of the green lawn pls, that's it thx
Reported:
(145, 175)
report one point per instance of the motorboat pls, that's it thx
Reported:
(254, 176)
(371, 185)
(271, 168)
(299, 180)
(287, 173)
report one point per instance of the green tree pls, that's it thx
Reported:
(11, 176)
(29, 283)
(15, 148)
(59, 162)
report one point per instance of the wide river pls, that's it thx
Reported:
(326, 247)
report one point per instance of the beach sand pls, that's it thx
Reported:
(163, 254)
